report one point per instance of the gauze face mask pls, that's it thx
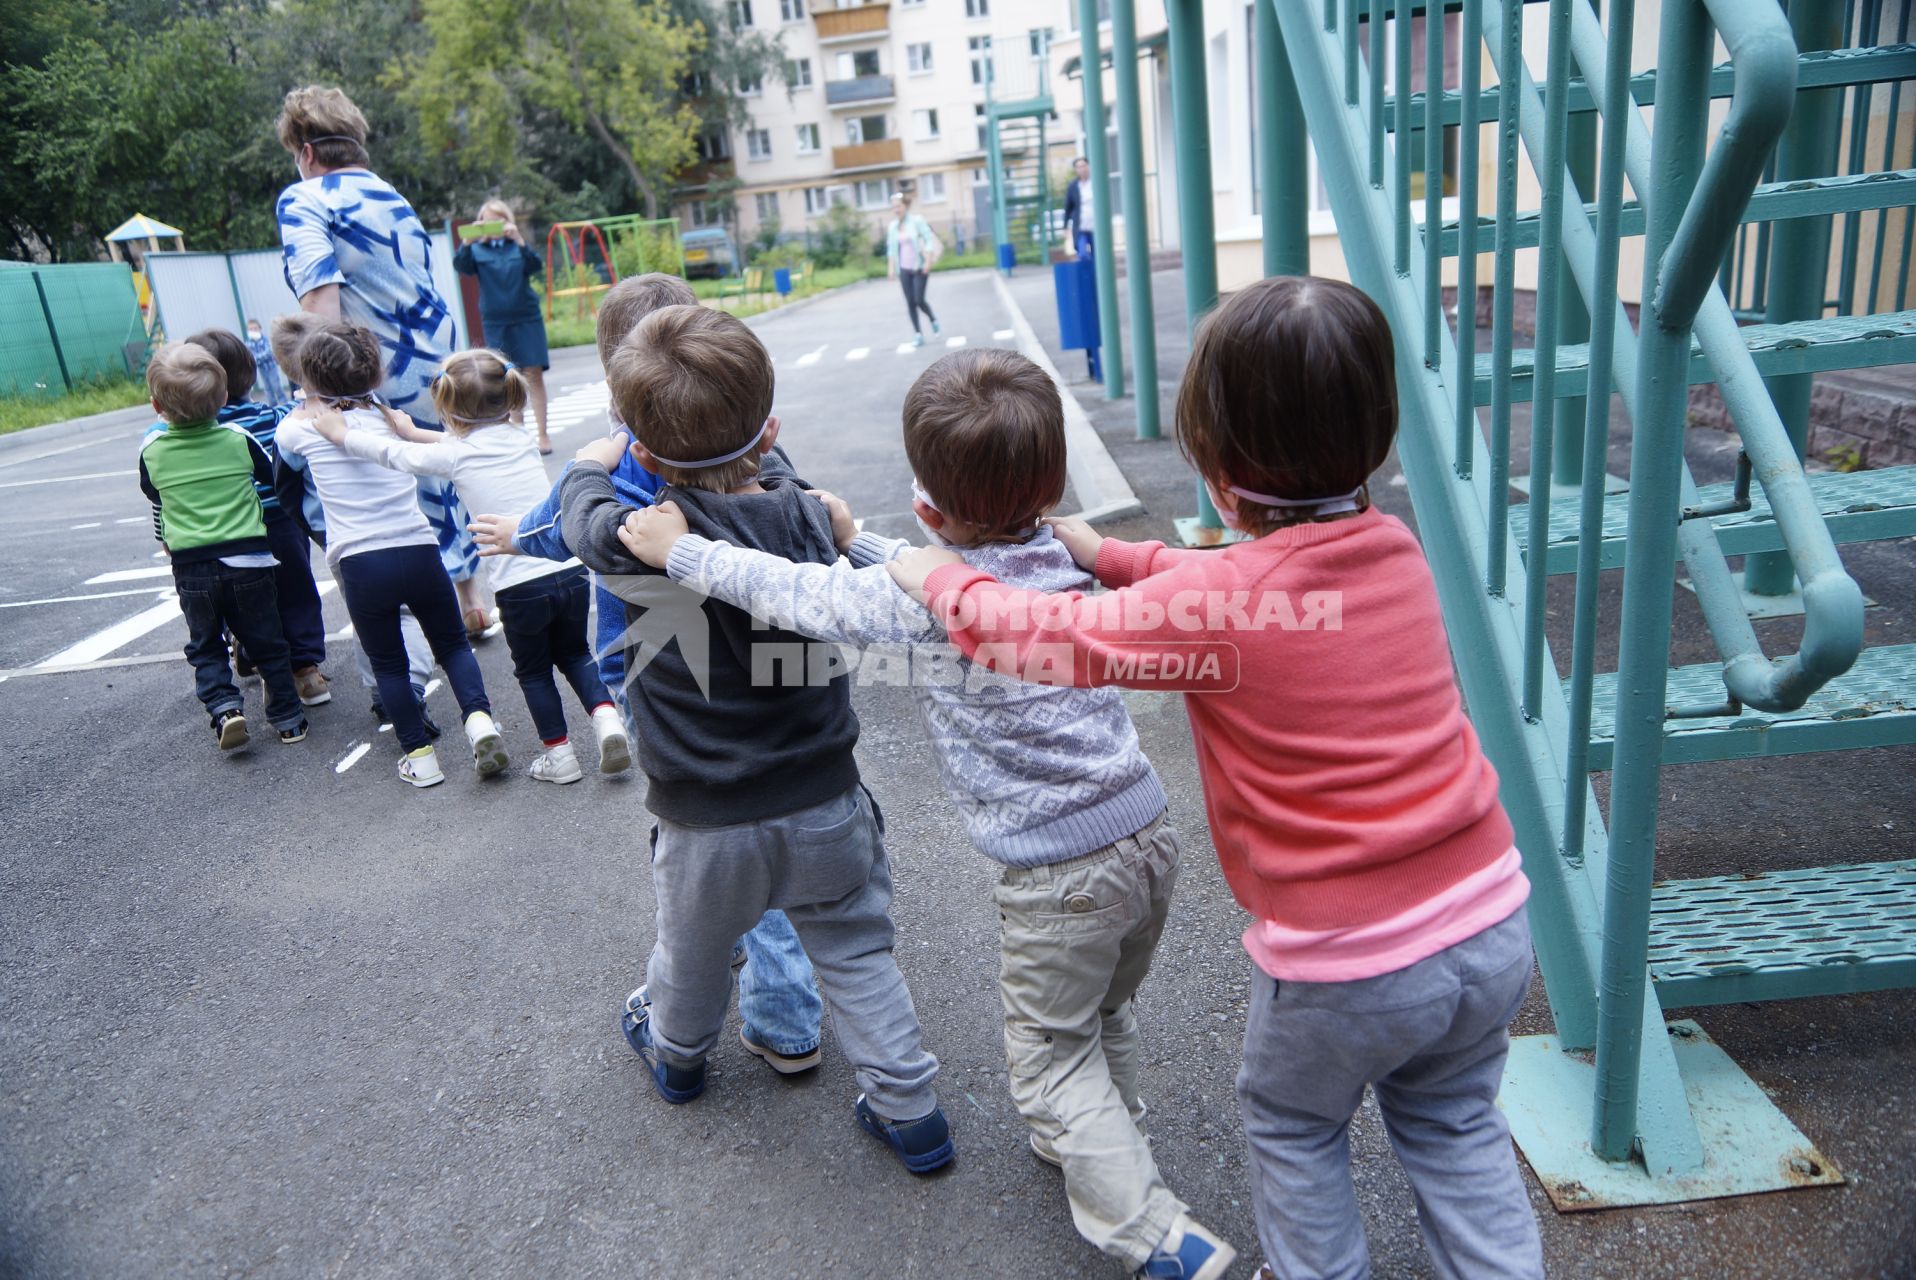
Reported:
(933, 536)
(1311, 507)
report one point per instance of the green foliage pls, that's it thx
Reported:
(841, 238)
(20, 412)
(763, 246)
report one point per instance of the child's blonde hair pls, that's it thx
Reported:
(186, 383)
(289, 331)
(477, 388)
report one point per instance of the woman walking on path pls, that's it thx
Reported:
(911, 247)
(356, 251)
(508, 310)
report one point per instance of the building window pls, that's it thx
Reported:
(931, 188)
(794, 10)
(866, 129)
(808, 139)
(862, 63)
(980, 47)
(1040, 41)
(977, 8)
(924, 124)
(1104, 13)
(758, 144)
(815, 201)
(918, 58)
(767, 205)
(798, 73)
(983, 122)
(751, 86)
(911, 4)
(715, 144)
(873, 194)
(740, 12)
(701, 213)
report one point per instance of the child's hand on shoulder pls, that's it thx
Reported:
(332, 425)
(844, 527)
(606, 452)
(1079, 538)
(910, 570)
(496, 535)
(649, 533)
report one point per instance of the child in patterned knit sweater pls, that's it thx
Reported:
(1050, 781)
(1354, 813)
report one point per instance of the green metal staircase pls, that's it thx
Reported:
(1018, 108)
(1620, 1105)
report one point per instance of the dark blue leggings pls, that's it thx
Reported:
(376, 585)
(545, 625)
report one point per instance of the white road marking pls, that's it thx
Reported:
(134, 520)
(97, 595)
(858, 523)
(811, 357)
(91, 524)
(54, 453)
(353, 757)
(101, 643)
(906, 348)
(91, 475)
(130, 575)
(108, 664)
(1003, 335)
(385, 728)
(858, 353)
(952, 344)
(431, 685)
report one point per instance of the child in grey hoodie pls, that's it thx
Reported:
(1049, 780)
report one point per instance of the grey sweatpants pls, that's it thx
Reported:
(1430, 1040)
(825, 868)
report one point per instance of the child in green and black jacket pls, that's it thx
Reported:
(200, 475)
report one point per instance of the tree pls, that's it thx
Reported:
(609, 67)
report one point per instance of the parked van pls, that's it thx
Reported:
(709, 252)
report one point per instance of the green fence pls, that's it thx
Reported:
(61, 326)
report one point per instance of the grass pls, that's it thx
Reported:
(17, 413)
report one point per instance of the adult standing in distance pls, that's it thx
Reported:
(355, 251)
(1080, 209)
(508, 310)
(911, 246)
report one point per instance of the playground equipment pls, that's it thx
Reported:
(1620, 1106)
(137, 228)
(627, 245)
(1017, 105)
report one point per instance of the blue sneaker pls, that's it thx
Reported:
(921, 1145)
(675, 1084)
(1197, 1254)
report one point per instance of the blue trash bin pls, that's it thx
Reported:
(782, 280)
(1075, 282)
(1007, 258)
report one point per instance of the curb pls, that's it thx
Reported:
(1101, 486)
(132, 415)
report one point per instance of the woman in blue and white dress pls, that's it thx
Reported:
(356, 251)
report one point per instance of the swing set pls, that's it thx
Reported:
(584, 259)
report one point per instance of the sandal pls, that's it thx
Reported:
(477, 622)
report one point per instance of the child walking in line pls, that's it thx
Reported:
(1353, 811)
(754, 783)
(778, 1004)
(201, 478)
(383, 553)
(1050, 781)
(543, 603)
(266, 370)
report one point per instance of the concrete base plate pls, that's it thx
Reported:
(1192, 535)
(1748, 1145)
(1571, 492)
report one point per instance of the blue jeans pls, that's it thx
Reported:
(777, 998)
(545, 625)
(377, 584)
(215, 598)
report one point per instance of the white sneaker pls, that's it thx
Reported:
(488, 748)
(557, 764)
(615, 749)
(421, 768)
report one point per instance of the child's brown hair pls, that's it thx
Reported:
(477, 388)
(289, 331)
(984, 431)
(341, 362)
(1291, 391)
(692, 383)
(632, 300)
(227, 348)
(186, 383)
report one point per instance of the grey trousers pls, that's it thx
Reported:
(1076, 940)
(1431, 1041)
(825, 868)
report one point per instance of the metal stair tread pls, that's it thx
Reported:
(1872, 704)
(1802, 346)
(1800, 932)
(1858, 506)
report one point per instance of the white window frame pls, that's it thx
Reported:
(791, 10)
(740, 13)
(932, 189)
(753, 150)
(759, 203)
(976, 9)
(921, 118)
(855, 129)
(751, 88)
(914, 63)
(880, 186)
(808, 139)
(1038, 42)
(798, 73)
(817, 201)
(979, 50)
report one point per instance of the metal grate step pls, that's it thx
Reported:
(1773, 202)
(1813, 932)
(1873, 704)
(1857, 506)
(1823, 69)
(1806, 346)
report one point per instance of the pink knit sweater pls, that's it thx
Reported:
(1344, 786)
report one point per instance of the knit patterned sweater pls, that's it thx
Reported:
(1040, 774)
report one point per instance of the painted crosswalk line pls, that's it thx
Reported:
(1003, 335)
(130, 575)
(811, 357)
(105, 641)
(953, 343)
(858, 353)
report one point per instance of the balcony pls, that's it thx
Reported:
(885, 153)
(859, 90)
(866, 22)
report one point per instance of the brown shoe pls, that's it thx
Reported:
(312, 687)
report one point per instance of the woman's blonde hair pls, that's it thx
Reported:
(475, 388)
(326, 118)
(495, 208)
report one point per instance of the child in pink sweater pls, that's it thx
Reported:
(1353, 812)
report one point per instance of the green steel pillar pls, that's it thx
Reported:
(1799, 255)
(1573, 317)
(1283, 167)
(995, 166)
(1111, 357)
(1197, 220)
(1137, 228)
